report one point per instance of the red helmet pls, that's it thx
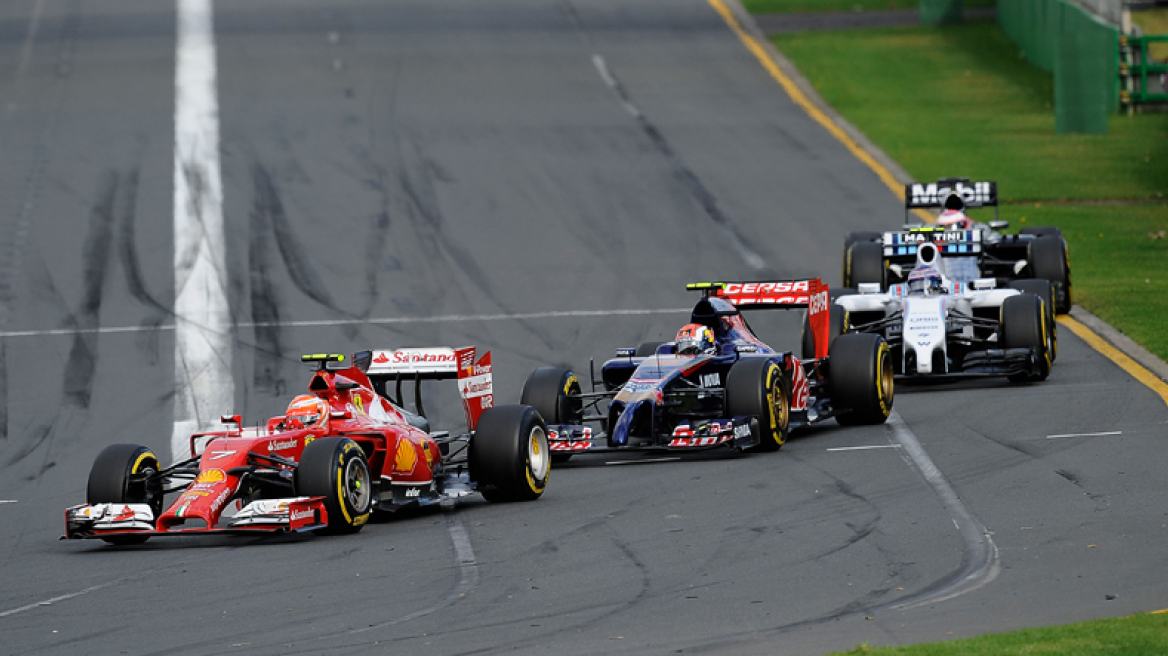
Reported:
(695, 339)
(307, 409)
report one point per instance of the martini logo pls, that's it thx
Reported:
(211, 476)
(406, 457)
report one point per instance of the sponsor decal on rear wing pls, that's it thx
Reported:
(948, 242)
(933, 194)
(429, 363)
(475, 384)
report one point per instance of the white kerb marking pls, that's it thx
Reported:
(865, 448)
(1055, 437)
(202, 351)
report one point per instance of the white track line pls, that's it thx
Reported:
(865, 448)
(202, 352)
(980, 564)
(645, 461)
(50, 602)
(449, 318)
(7, 500)
(1055, 437)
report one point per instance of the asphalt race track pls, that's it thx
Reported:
(466, 170)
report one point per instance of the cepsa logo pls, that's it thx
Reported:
(211, 476)
(781, 287)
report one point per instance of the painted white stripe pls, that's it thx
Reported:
(1055, 437)
(202, 353)
(449, 318)
(50, 602)
(865, 448)
(981, 563)
(7, 500)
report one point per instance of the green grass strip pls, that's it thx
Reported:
(1138, 635)
(961, 101)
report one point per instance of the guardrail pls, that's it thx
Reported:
(1135, 67)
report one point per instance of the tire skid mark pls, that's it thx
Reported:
(425, 214)
(265, 299)
(82, 362)
(295, 257)
(127, 250)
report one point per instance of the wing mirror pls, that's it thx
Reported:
(999, 225)
(1019, 266)
(870, 287)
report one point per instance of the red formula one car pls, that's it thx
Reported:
(339, 453)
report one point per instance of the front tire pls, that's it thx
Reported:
(861, 378)
(864, 263)
(509, 454)
(1023, 325)
(758, 388)
(1045, 290)
(124, 473)
(335, 468)
(837, 325)
(547, 390)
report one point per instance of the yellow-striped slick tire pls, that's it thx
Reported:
(509, 458)
(757, 387)
(335, 468)
(860, 366)
(122, 473)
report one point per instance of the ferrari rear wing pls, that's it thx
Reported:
(383, 366)
(811, 293)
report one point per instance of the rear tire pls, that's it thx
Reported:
(758, 388)
(864, 263)
(509, 454)
(861, 378)
(335, 468)
(121, 473)
(1023, 325)
(1044, 290)
(1048, 260)
(547, 390)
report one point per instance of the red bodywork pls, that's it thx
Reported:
(397, 452)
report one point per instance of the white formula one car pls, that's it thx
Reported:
(941, 328)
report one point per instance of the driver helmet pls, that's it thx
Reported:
(307, 409)
(695, 339)
(954, 220)
(925, 279)
(953, 216)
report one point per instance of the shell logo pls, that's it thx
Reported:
(406, 458)
(211, 476)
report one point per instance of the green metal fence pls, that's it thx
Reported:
(1080, 50)
(1134, 68)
